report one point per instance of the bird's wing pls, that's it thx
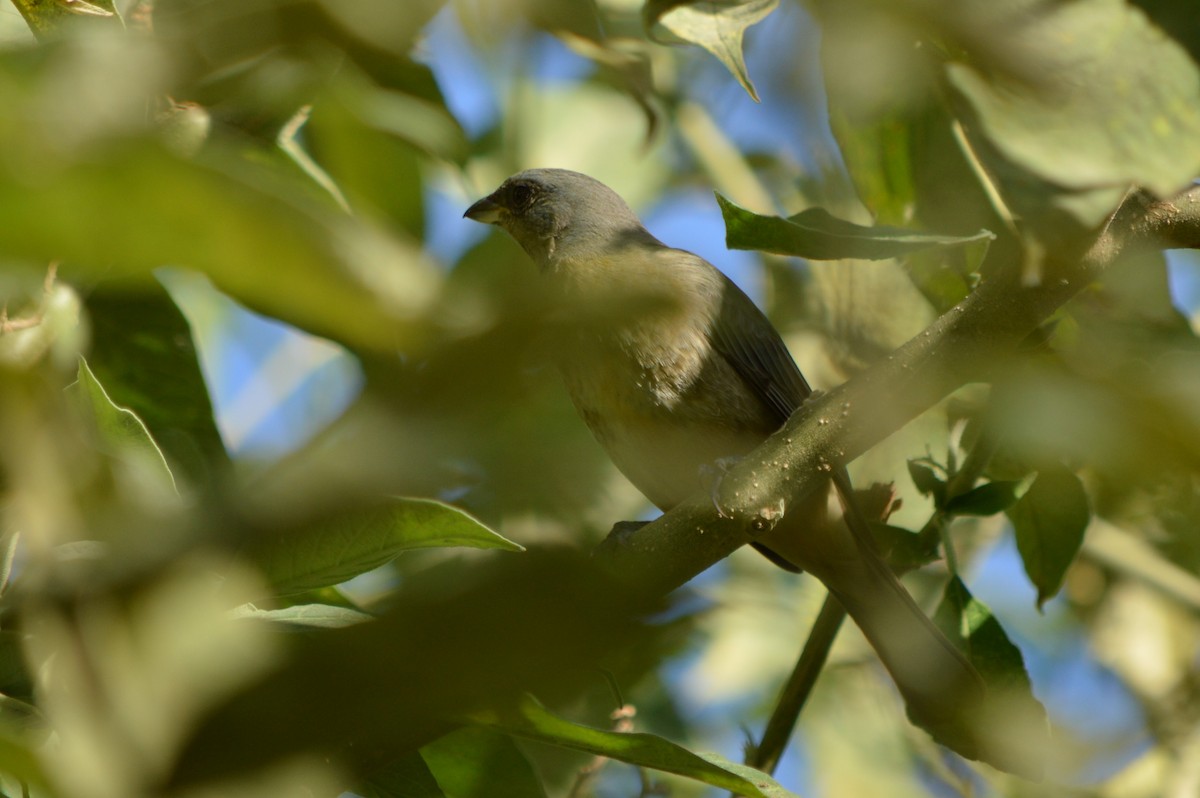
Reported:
(744, 337)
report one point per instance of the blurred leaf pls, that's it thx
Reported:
(903, 549)
(1177, 20)
(407, 777)
(390, 27)
(121, 432)
(254, 65)
(20, 760)
(716, 25)
(289, 145)
(927, 480)
(307, 616)
(1010, 730)
(1080, 116)
(51, 330)
(475, 762)
(1049, 522)
(352, 133)
(14, 678)
(392, 115)
(9, 542)
(143, 353)
(818, 235)
(336, 283)
(535, 722)
(164, 651)
(987, 499)
(334, 552)
(878, 160)
(625, 64)
(46, 17)
(469, 638)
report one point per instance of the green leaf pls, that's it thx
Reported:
(14, 678)
(1049, 522)
(716, 25)
(1099, 98)
(121, 433)
(336, 551)
(988, 499)
(879, 162)
(47, 16)
(817, 235)
(1010, 730)
(533, 721)
(143, 353)
(19, 760)
(307, 616)
(476, 762)
(408, 777)
(926, 479)
(903, 549)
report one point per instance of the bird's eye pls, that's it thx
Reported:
(520, 195)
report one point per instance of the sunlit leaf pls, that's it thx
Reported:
(334, 552)
(44, 17)
(475, 762)
(407, 777)
(1010, 730)
(535, 722)
(142, 351)
(716, 25)
(1049, 522)
(307, 616)
(818, 235)
(121, 432)
(879, 161)
(1101, 97)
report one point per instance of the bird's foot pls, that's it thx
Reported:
(711, 476)
(622, 531)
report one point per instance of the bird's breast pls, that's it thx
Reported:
(664, 407)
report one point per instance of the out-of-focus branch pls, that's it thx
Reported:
(1136, 558)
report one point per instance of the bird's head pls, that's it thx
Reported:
(557, 214)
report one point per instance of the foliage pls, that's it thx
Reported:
(408, 603)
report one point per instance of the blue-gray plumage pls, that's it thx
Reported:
(676, 369)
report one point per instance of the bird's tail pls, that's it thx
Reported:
(944, 693)
(938, 683)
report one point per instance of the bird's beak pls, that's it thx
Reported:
(487, 210)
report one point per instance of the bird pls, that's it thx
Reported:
(676, 371)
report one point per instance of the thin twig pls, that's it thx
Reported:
(766, 755)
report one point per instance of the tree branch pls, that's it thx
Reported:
(960, 347)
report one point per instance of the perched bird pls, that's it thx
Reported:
(675, 369)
